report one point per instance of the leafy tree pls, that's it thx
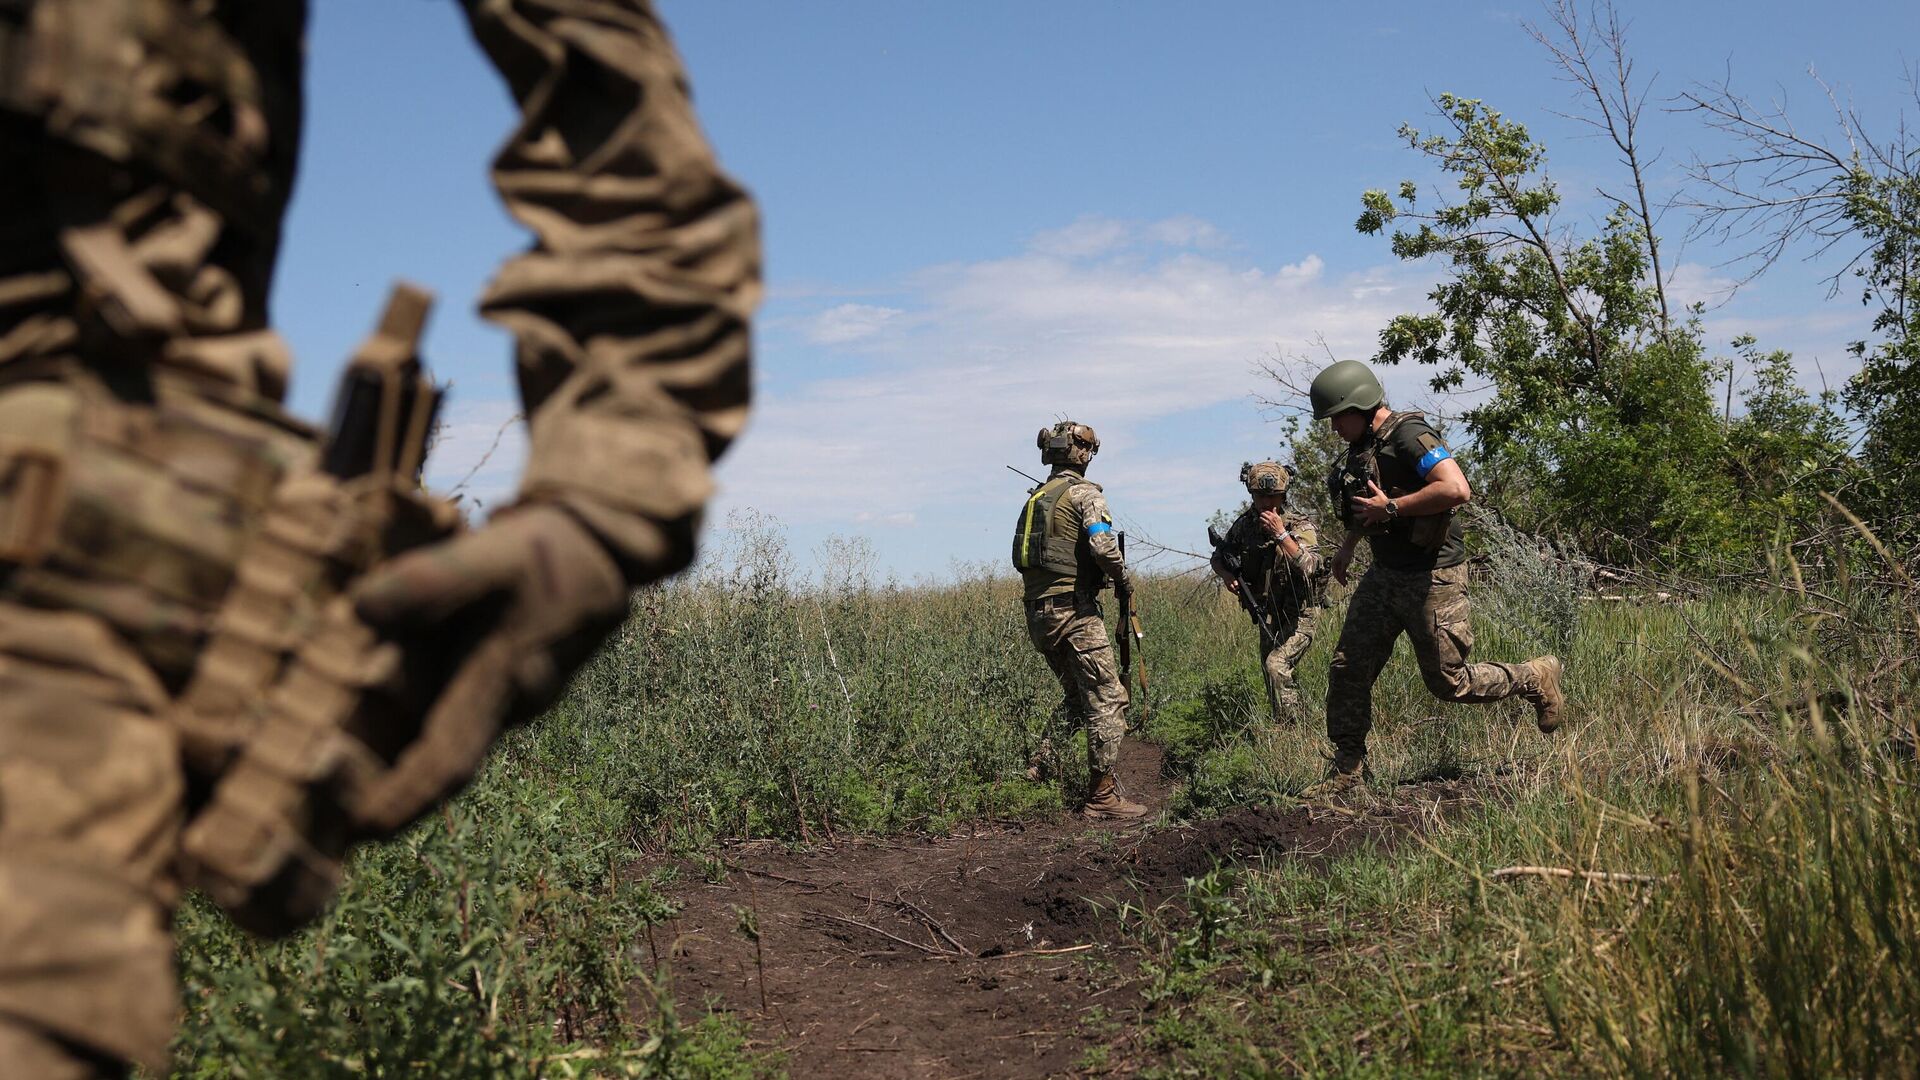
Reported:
(1595, 392)
(1783, 451)
(1854, 197)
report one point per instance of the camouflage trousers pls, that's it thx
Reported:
(1431, 608)
(1294, 638)
(1073, 639)
(91, 801)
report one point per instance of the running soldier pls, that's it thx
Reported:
(1398, 487)
(1066, 552)
(1272, 560)
(188, 631)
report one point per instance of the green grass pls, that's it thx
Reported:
(1705, 752)
(509, 937)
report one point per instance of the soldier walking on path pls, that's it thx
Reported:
(1065, 550)
(189, 637)
(1272, 560)
(1398, 486)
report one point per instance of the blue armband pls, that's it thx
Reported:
(1098, 527)
(1431, 458)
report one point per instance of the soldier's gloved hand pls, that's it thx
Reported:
(489, 626)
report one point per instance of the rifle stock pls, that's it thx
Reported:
(1130, 635)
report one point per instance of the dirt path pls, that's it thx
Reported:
(970, 955)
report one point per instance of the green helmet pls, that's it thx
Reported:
(1348, 384)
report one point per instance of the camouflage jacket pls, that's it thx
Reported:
(630, 311)
(1285, 585)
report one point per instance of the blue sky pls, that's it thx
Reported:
(980, 217)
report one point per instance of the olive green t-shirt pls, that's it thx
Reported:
(1407, 456)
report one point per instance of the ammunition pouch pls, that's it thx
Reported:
(215, 535)
(277, 708)
(136, 512)
(286, 708)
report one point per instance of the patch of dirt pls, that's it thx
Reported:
(975, 954)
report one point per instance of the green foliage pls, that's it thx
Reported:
(510, 937)
(1884, 209)
(1785, 448)
(1601, 422)
(500, 939)
(1598, 396)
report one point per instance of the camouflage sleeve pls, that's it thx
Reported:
(1098, 524)
(1304, 534)
(630, 311)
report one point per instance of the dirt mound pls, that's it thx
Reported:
(962, 955)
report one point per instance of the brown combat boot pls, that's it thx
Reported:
(1106, 804)
(1346, 775)
(1544, 692)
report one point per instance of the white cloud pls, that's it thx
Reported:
(1697, 283)
(1186, 231)
(848, 322)
(902, 520)
(1118, 325)
(1085, 237)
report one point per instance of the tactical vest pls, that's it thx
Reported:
(1046, 536)
(208, 101)
(1377, 462)
(1275, 580)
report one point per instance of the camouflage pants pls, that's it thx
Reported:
(1074, 640)
(91, 800)
(1278, 663)
(1431, 608)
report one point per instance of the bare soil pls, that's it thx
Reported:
(974, 954)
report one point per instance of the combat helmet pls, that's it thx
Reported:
(1266, 477)
(1067, 443)
(1348, 384)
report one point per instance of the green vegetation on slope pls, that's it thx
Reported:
(1716, 745)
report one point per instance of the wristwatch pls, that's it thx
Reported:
(1393, 510)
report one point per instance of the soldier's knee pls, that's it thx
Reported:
(1446, 683)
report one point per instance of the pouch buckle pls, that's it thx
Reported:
(32, 488)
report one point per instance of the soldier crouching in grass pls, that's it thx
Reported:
(1065, 550)
(1271, 559)
(1398, 486)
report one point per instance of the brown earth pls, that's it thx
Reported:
(970, 955)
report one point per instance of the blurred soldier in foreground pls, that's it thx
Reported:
(1065, 549)
(1271, 560)
(214, 670)
(1398, 487)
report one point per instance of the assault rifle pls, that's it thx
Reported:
(1232, 557)
(1131, 636)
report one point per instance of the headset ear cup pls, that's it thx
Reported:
(1040, 440)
